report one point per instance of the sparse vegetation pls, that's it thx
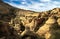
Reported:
(24, 24)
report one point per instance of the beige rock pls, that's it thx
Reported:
(44, 30)
(51, 20)
(58, 21)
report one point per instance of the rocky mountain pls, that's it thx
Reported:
(21, 22)
(8, 9)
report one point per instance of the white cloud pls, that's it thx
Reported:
(45, 0)
(55, 2)
(38, 6)
(23, 2)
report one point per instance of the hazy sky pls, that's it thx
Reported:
(34, 5)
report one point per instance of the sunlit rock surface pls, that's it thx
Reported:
(25, 24)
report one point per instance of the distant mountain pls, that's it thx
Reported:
(10, 11)
(6, 11)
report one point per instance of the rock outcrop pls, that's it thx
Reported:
(18, 20)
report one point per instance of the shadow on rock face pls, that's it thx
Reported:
(29, 37)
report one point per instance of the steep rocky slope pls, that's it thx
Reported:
(6, 11)
(44, 24)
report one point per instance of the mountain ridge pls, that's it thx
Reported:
(6, 9)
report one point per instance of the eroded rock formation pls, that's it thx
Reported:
(25, 24)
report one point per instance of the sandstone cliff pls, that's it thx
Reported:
(44, 24)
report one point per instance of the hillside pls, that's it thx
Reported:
(18, 23)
